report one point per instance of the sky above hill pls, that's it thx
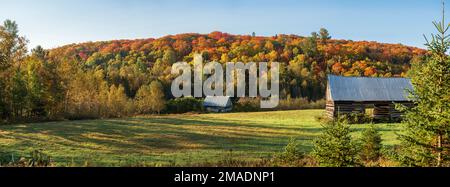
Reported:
(53, 23)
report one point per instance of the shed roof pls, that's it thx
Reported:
(217, 101)
(368, 89)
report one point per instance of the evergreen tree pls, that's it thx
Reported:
(309, 45)
(324, 35)
(39, 52)
(425, 140)
(291, 154)
(335, 147)
(371, 144)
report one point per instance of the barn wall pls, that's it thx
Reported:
(334, 109)
(342, 108)
(387, 111)
(330, 109)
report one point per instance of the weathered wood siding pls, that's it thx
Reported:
(347, 95)
(384, 111)
(330, 109)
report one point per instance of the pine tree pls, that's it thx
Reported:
(335, 147)
(324, 35)
(425, 140)
(371, 144)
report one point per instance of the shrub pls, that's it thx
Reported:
(355, 118)
(247, 105)
(36, 159)
(371, 144)
(254, 104)
(291, 156)
(300, 103)
(39, 159)
(335, 147)
(184, 105)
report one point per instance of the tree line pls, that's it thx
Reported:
(128, 77)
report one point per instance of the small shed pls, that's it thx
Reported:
(218, 104)
(347, 95)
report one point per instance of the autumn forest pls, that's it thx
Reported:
(127, 77)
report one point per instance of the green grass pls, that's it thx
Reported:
(170, 140)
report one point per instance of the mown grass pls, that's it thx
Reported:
(176, 140)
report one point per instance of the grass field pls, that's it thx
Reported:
(170, 140)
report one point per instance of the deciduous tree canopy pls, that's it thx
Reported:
(108, 79)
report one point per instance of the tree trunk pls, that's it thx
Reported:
(439, 159)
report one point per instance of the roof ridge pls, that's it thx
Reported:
(331, 75)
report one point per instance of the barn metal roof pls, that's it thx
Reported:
(368, 89)
(217, 101)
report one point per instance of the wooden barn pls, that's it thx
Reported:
(218, 104)
(347, 95)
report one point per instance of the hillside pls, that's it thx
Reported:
(306, 60)
(224, 47)
(113, 78)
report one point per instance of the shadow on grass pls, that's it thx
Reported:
(158, 134)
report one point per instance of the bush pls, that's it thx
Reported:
(254, 104)
(335, 147)
(36, 159)
(184, 105)
(247, 105)
(355, 118)
(371, 144)
(291, 156)
(300, 103)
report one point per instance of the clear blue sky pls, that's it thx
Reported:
(52, 23)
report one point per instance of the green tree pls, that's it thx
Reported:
(169, 57)
(3, 101)
(371, 144)
(19, 95)
(36, 90)
(291, 155)
(39, 52)
(309, 45)
(324, 35)
(335, 147)
(425, 140)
